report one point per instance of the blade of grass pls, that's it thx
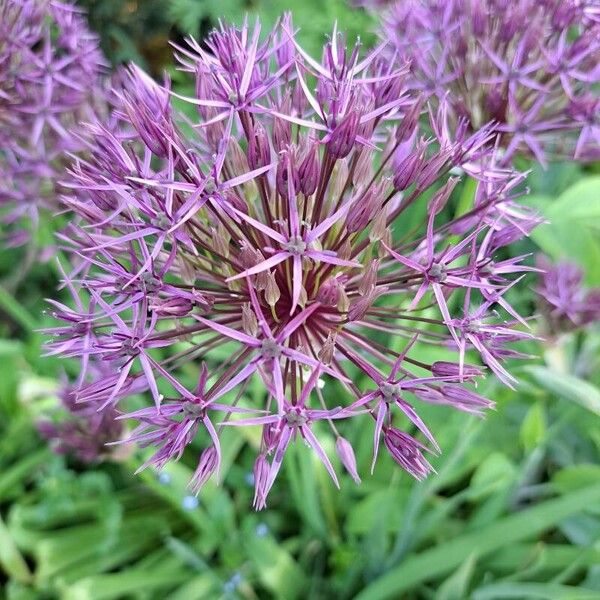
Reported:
(443, 558)
(16, 311)
(11, 561)
(534, 591)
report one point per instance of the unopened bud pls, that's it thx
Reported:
(343, 136)
(386, 240)
(308, 173)
(259, 151)
(286, 168)
(272, 293)
(221, 240)
(431, 169)
(411, 119)
(261, 482)
(362, 210)
(345, 251)
(363, 171)
(408, 171)
(346, 453)
(442, 368)
(343, 304)
(282, 128)
(326, 352)
(235, 157)
(171, 307)
(339, 178)
(329, 292)
(249, 320)
(379, 226)
(369, 279)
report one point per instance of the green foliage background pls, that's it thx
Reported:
(514, 511)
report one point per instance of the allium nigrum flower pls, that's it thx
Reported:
(50, 80)
(300, 232)
(529, 65)
(564, 301)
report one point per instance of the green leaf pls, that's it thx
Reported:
(580, 202)
(576, 477)
(443, 558)
(571, 232)
(11, 561)
(21, 471)
(533, 591)
(533, 428)
(276, 568)
(567, 386)
(16, 311)
(457, 585)
(493, 474)
(120, 585)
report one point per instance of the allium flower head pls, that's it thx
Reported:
(50, 68)
(565, 303)
(299, 232)
(80, 430)
(530, 66)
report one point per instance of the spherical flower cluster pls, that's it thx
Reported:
(565, 302)
(50, 67)
(301, 232)
(529, 65)
(80, 430)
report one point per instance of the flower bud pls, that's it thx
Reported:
(409, 124)
(437, 203)
(343, 304)
(261, 482)
(171, 307)
(408, 171)
(362, 210)
(272, 293)
(379, 226)
(282, 128)
(346, 453)
(442, 368)
(259, 151)
(369, 280)
(286, 167)
(327, 350)
(308, 173)
(363, 171)
(343, 137)
(249, 320)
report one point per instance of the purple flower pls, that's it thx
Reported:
(529, 66)
(51, 79)
(267, 241)
(564, 301)
(80, 430)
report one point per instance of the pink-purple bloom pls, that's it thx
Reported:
(50, 80)
(299, 232)
(530, 66)
(564, 301)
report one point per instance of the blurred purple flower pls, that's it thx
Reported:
(529, 66)
(50, 81)
(564, 301)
